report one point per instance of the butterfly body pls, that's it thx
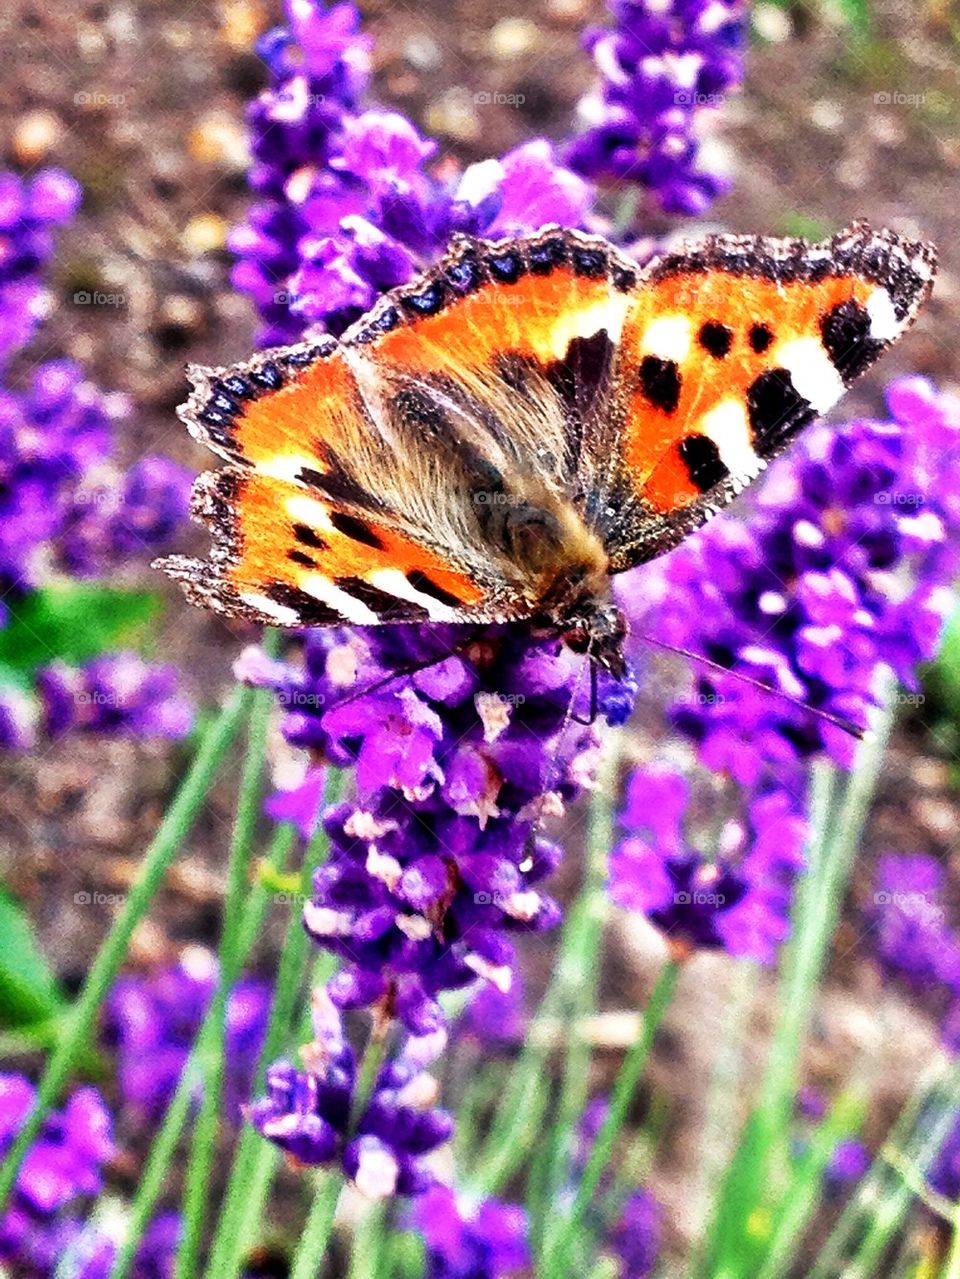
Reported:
(497, 439)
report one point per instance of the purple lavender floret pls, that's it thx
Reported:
(464, 1240)
(152, 1021)
(309, 1113)
(738, 899)
(62, 1170)
(116, 693)
(634, 1238)
(438, 861)
(347, 205)
(29, 210)
(844, 569)
(115, 515)
(910, 933)
(665, 68)
(88, 1252)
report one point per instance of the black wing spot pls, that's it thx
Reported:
(268, 377)
(777, 411)
(759, 337)
(310, 611)
(715, 338)
(579, 377)
(846, 335)
(307, 536)
(547, 255)
(301, 558)
(386, 606)
(421, 582)
(660, 382)
(429, 302)
(466, 274)
(589, 262)
(505, 267)
(356, 529)
(701, 457)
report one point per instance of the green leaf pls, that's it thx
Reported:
(29, 992)
(73, 621)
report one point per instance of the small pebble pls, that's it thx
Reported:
(35, 134)
(513, 37)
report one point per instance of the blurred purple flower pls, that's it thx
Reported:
(485, 1240)
(62, 1169)
(848, 1162)
(29, 210)
(845, 568)
(152, 1020)
(736, 900)
(116, 693)
(635, 1236)
(910, 932)
(87, 1252)
(307, 1113)
(665, 68)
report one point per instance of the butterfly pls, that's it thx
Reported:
(496, 439)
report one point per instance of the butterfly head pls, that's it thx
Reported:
(599, 629)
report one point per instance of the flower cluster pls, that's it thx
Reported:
(118, 693)
(316, 1115)
(29, 210)
(65, 504)
(62, 1169)
(44, 1232)
(347, 205)
(843, 570)
(152, 1020)
(486, 1240)
(736, 899)
(913, 938)
(460, 748)
(665, 68)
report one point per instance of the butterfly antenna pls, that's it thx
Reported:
(838, 721)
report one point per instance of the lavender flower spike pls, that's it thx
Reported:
(308, 1113)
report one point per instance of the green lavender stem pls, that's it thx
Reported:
(255, 1159)
(582, 998)
(211, 1050)
(82, 1018)
(164, 1147)
(315, 1239)
(623, 1092)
